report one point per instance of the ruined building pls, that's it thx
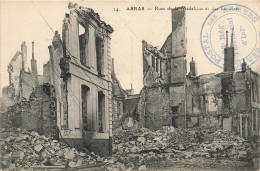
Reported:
(79, 75)
(86, 110)
(22, 80)
(227, 100)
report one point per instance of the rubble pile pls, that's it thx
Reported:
(224, 143)
(20, 149)
(144, 140)
(170, 142)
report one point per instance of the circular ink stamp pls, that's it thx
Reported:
(243, 22)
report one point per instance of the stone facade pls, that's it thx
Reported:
(86, 85)
(228, 100)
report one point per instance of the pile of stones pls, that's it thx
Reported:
(133, 149)
(143, 140)
(23, 150)
(224, 144)
(20, 149)
(186, 143)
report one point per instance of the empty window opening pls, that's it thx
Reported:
(174, 116)
(153, 61)
(157, 65)
(83, 41)
(254, 120)
(65, 106)
(243, 126)
(161, 69)
(202, 103)
(100, 56)
(118, 110)
(254, 92)
(101, 111)
(85, 99)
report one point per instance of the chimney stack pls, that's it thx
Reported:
(226, 39)
(132, 90)
(33, 62)
(243, 65)
(52, 65)
(32, 50)
(232, 36)
(229, 55)
(192, 68)
(24, 53)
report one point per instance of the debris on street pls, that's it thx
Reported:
(21, 149)
(171, 141)
(134, 149)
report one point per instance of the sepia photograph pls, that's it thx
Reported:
(129, 85)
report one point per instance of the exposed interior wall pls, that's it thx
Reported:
(14, 70)
(154, 66)
(154, 109)
(28, 83)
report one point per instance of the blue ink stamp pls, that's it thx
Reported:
(243, 22)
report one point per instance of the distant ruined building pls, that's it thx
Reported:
(21, 78)
(228, 100)
(124, 103)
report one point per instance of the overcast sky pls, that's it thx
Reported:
(22, 21)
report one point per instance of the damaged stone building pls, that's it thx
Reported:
(86, 112)
(76, 80)
(227, 100)
(21, 78)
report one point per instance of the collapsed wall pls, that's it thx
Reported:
(37, 114)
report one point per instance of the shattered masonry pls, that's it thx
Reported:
(38, 114)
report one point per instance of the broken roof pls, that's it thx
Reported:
(85, 12)
(153, 50)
